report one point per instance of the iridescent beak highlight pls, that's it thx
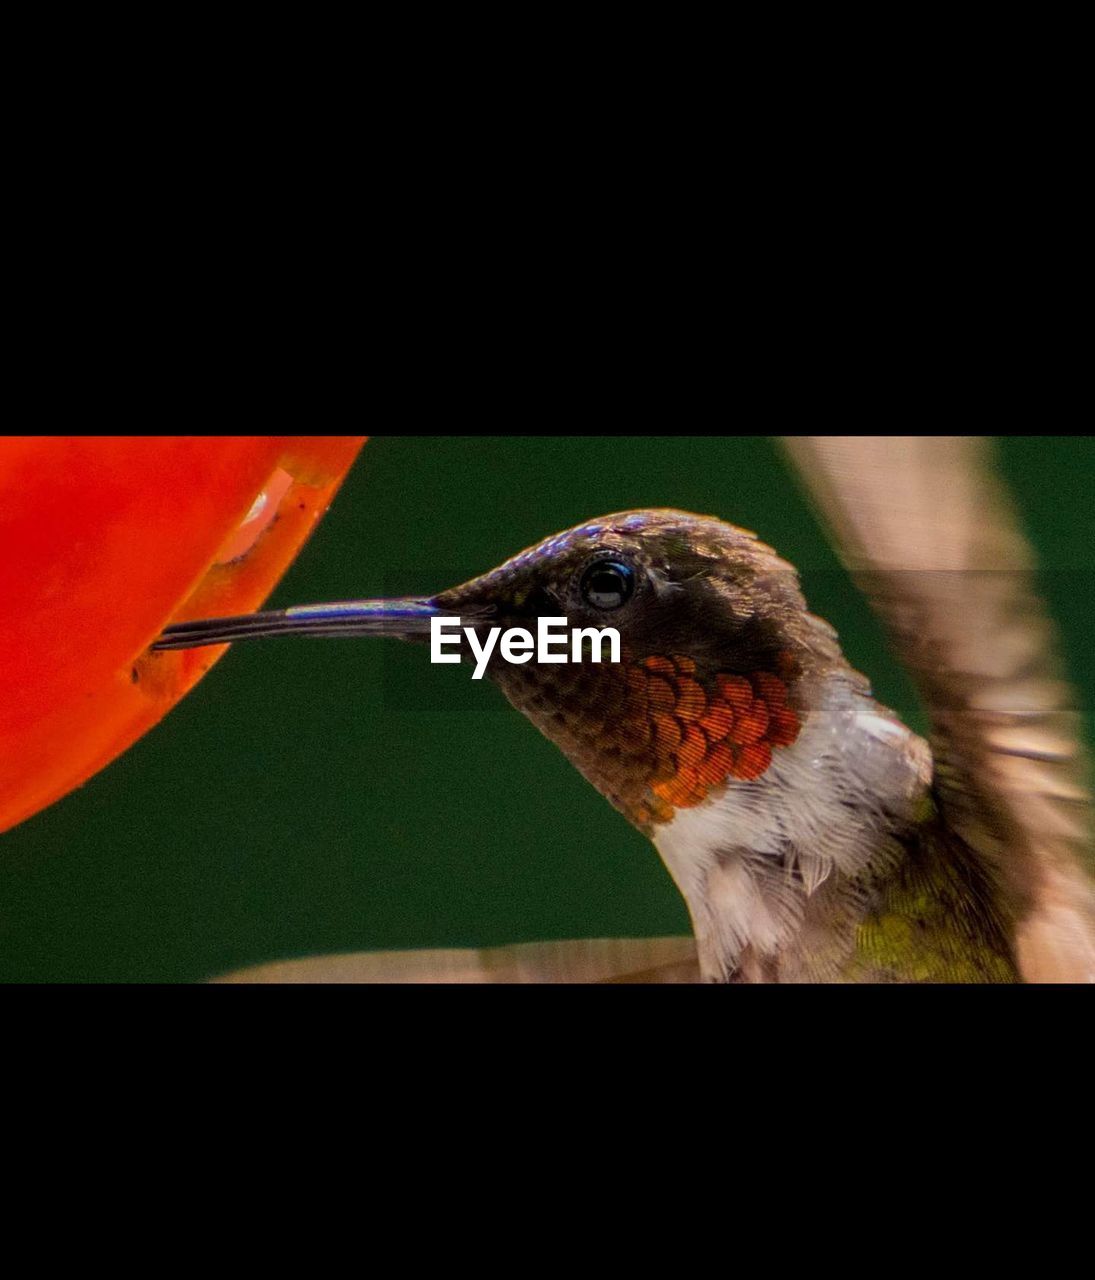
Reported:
(402, 619)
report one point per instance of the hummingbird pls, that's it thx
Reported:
(813, 836)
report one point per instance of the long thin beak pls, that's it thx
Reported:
(400, 619)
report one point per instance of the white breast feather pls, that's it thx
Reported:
(824, 805)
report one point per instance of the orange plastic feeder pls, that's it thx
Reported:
(104, 540)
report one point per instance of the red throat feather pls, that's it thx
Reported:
(703, 736)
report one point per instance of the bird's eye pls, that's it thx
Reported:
(608, 584)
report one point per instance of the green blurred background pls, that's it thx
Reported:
(314, 796)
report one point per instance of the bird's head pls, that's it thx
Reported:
(714, 644)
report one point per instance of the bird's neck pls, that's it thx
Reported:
(775, 872)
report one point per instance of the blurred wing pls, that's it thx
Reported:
(586, 960)
(928, 531)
